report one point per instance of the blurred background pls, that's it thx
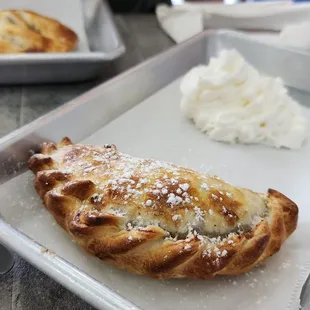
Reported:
(148, 6)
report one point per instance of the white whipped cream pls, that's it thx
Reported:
(230, 101)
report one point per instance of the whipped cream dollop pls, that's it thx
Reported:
(231, 101)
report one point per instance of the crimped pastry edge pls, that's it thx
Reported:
(264, 240)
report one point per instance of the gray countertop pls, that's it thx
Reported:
(24, 287)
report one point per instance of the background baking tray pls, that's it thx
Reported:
(153, 127)
(99, 42)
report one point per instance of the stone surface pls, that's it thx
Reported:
(34, 290)
(10, 103)
(40, 99)
(25, 287)
(6, 286)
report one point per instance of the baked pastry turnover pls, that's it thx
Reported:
(26, 31)
(155, 218)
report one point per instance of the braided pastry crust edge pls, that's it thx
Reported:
(146, 251)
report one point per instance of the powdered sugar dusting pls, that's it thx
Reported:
(149, 192)
(204, 186)
(97, 197)
(199, 214)
(187, 247)
(164, 191)
(176, 217)
(224, 253)
(214, 196)
(184, 186)
(148, 203)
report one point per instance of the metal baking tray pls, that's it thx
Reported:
(102, 40)
(104, 113)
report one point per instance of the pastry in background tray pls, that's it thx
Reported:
(26, 32)
(155, 218)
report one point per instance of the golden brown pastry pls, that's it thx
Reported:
(25, 31)
(156, 218)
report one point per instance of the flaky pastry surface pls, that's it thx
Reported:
(26, 31)
(156, 218)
